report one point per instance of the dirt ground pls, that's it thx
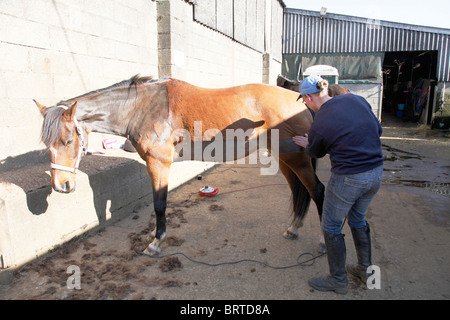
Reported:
(230, 246)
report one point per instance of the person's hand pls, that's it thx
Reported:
(302, 141)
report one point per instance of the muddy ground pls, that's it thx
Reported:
(231, 247)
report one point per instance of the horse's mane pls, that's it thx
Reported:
(133, 81)
(53, 115)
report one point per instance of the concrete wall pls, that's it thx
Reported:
(34, 219)
(51, 50)
(206, 57)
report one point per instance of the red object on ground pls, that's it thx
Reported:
(208, 191)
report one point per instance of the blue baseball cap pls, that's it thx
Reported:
(309, 85)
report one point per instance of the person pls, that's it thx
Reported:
(345, 128)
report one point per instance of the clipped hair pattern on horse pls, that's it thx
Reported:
(52, 116)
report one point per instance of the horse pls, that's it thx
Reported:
(333, 89)
(336, 89)
(170, 120)
(287, 83)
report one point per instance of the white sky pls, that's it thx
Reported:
(432, 13)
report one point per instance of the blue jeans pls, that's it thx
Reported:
(349, 195)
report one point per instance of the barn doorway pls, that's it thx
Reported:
(409, 80)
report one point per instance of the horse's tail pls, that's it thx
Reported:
(301, 198)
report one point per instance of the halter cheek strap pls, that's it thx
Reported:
(81, 149)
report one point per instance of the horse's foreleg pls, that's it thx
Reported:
(159, 176)
(160, 204)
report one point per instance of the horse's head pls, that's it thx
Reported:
(288, 84)
(67, 142)
(335, 90)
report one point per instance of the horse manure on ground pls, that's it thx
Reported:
(170, 264)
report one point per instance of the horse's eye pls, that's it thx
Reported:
(69, 142)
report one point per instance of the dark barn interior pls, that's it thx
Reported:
(409, 80)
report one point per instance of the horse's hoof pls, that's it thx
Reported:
(151, 235)
(290, 235)
(151, 251)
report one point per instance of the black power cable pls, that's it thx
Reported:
(306, 263)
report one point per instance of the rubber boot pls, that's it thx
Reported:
(337, 279)
(361, 238)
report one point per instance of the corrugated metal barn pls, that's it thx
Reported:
(389, 63)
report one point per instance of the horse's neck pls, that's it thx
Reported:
(105, 114)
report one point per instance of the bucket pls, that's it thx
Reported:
(399, 113)
(401, 107)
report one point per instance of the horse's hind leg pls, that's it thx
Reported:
(299, 170)
(292, 232)
(318, 195)
(159, 177)
(316, 190)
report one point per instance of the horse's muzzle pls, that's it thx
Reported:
(65, 188)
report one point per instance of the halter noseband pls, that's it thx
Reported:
(81, 148)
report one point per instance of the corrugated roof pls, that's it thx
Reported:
(306, 32)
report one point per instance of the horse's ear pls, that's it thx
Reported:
(71, 110)
(40, 106)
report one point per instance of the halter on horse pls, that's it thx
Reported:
(158, 115)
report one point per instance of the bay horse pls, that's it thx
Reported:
(160, 115)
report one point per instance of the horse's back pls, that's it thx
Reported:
(237, 107)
